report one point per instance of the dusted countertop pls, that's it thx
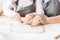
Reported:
(10, 29)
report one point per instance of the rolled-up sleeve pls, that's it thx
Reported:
(39, 8)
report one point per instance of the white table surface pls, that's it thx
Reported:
(51, 30)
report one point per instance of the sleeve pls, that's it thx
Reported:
(7, 10)
(8, 5)
(39, 8)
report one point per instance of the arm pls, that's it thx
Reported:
(39, 8)
(39, 15)
(55, 19)
(39, 11)
(7, 11)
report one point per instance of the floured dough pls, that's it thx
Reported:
(27, 28)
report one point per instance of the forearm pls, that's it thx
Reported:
(55, 19)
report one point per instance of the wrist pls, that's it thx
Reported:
(47, 20)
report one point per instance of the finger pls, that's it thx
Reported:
(27, 19)
(33, 15)
(17, 17)
(36, 19)
(36, 22)
(30, 22)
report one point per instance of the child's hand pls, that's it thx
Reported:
(28, 18)
(17, 17)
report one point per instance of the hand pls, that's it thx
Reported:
(1, 11)
(17, 17)
(57, 37)
(37, 20)
(28, 17)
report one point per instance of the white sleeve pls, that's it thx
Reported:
(39, 8)
(8, 13)
(9, 5)
(6, 9)
(6, 5)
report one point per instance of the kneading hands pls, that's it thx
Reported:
(30, 19)
(33, 19)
